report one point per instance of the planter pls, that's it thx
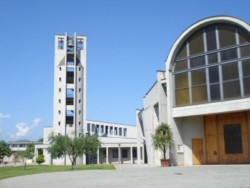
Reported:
(164, 162)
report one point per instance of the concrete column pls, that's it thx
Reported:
(107, 155)
(131, 155)
(138, 155)
(119, 153)
(98, 156)
(142, 148)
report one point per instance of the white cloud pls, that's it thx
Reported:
(23, 129)
(2, 116)
(36, 122)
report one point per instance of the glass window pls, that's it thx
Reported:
(198, 77)
(124, 153)
(231, 89)
(213, 74)
(211, 38)
(180, 65)
(246, 86)
(244, 36)
(230, 71)
(197, 61)
(199, 94)
(228, 54)
(226, 35)
(181, 80)
(245, 51)
(125, 132)
(246, 67)
(196, 43)
(183, 52)
(212, 58)
(115, 154)
(215, 92)
(182, 97)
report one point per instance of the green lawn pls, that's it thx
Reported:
(12, 171)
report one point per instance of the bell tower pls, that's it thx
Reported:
(69, 85)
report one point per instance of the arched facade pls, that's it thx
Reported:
(208, 86)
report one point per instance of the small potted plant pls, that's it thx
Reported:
(162, 139)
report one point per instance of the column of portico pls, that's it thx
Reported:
(107, 155)
(119, 153)
(131, 155)
(98, 156)
(138, 154)
(142, 154)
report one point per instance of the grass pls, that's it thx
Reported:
(13, 171)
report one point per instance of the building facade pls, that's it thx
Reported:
(208, 93)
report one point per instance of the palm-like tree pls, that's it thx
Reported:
(162, 138)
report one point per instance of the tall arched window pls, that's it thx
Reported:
(213, 64)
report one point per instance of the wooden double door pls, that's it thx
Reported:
(227, 138)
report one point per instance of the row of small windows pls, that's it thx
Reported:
(70, 43)
(108, 130)
(216, 68)
(59, 123)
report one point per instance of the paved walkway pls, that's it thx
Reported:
(221, 176)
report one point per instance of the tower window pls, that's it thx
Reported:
(80, 89)
(80, 79)
(60, 68)
(59, 111)
(60, 89)
(60, 79)
(60, 43)
(59, 123)
(59, 100)
(79, 100)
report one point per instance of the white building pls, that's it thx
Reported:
(208, 95)
(119, 142)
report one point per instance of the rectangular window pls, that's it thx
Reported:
(226, 35)
(125, 132)
(196, 44)
(211, 38)
(106, 130)
(182, 97)
(93, 127)
(228, 54)
(233, 139)
(134, 153)
(120, 131)
(115, 154)
(212, 58)
(111, 130)
(60, 43)
(124, 153)
(88, 127)
(197, 61)
(116, 131)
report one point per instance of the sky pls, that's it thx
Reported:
(127, 42)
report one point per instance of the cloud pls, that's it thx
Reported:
(23, 129)
(4, 116)
(36, 122)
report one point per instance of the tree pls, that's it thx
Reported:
(4, 150)
(162, 138)
(27, 154)
(72, 147)
(40, 159)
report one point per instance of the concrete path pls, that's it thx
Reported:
(221, 176)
